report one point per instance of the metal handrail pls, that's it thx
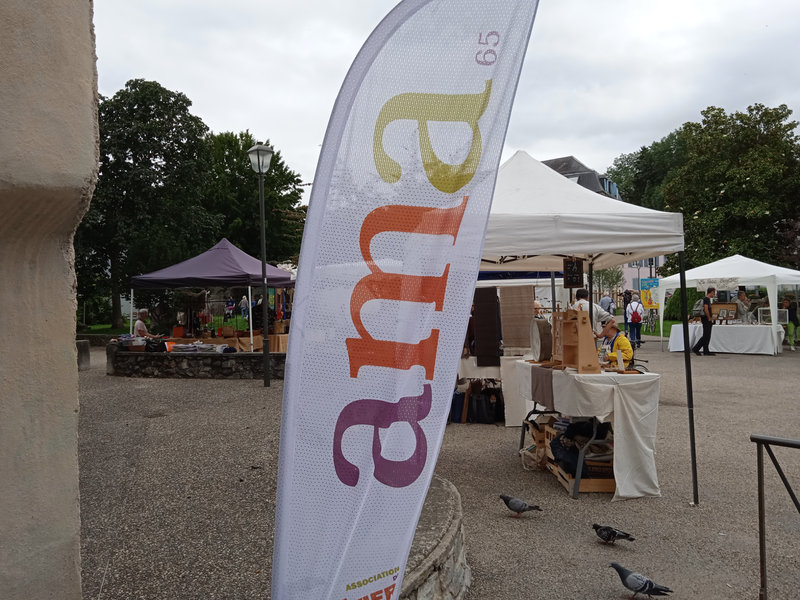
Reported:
(765, 442)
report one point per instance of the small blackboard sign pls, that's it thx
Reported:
(573, 272)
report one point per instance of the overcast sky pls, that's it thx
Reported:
(601, 78)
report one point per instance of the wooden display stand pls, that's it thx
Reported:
(729, 314)
(574, 342)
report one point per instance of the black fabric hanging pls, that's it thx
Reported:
(486, 322)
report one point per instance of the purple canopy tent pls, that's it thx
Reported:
(224, 265)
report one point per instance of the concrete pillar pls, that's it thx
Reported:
(48, 166)
(84, 355)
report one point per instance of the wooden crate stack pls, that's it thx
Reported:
(600, 476)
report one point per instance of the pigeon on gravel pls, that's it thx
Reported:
(516, 505)
(639, 584)
(609, 535)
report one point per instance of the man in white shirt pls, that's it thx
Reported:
(598, 314)
(743, 308)
(139, 328)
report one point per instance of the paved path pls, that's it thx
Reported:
(178, 488)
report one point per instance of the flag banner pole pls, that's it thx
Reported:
(388, 264)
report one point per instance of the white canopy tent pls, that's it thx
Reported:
(540, 217)
(733, 271)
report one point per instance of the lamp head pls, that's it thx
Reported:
(260, 157)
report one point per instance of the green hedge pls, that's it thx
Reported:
(672, 311)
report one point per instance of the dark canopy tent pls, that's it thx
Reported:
(224, 265)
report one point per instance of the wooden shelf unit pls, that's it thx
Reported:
(574, 341)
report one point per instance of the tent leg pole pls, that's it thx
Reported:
(552, 294)
(250, 314)
(130, 320)
(265, 292)
(687, 358)
(591, 295)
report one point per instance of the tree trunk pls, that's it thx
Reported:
(116, 305)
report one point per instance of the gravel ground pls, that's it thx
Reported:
(178, 488)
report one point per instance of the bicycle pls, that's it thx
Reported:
(650, 321)
(636, 364)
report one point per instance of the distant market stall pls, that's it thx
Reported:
(734, 271)
(223, 265)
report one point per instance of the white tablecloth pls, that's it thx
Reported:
(630, 402)
(736, 339)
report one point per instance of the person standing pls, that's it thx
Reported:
(705, 319)
(792, 324)
(244, 305)
(626, 300)
(634, 315)
(605, 302)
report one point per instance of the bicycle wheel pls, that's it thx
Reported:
(650, 322)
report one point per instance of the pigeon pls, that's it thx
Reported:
(516, 505)
(609, 535)
(639, 584)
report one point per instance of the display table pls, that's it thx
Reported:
(241, 344)
(629, 402)
(735, 339)
(278, 343)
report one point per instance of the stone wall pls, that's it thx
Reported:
(96, 339)
(437, 566)
(199, 365)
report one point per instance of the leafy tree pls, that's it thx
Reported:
(738, 186)
(735, 177)
(609, 279)
(232, 194)
(640, 175)
(145, 213)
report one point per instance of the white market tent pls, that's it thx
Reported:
(539, 217)
(733, 271)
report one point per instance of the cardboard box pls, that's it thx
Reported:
(279, 343)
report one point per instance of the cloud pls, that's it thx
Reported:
(600, 78)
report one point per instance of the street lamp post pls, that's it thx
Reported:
(260, 157)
